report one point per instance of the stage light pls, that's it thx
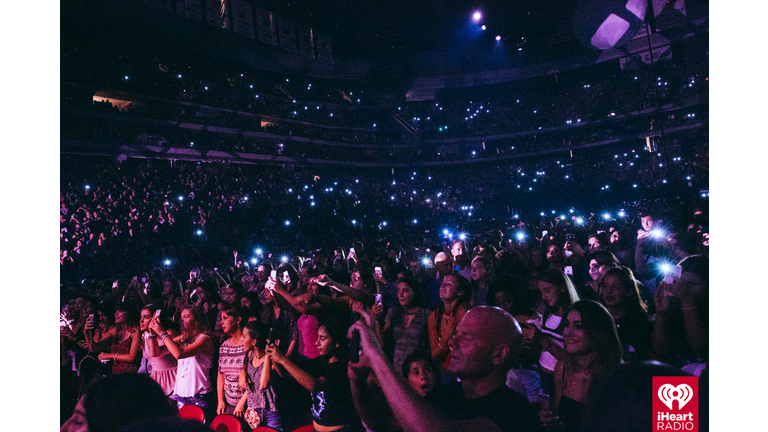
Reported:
(606, 216)
(181, 198)
(167, 262)
(254, 260)
(199, 232)
(520, 236)
(483, 27)
(259, 251)
(287, 223)
(425, 261)
(284, 259)
(445, 231)
(498, 38)
(477, 16)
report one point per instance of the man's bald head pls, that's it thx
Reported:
(487, 338)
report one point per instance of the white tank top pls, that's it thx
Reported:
(547, 360)
(192, 376)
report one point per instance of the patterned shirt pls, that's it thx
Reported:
(230, 364)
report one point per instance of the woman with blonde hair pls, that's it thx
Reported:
(194, 351)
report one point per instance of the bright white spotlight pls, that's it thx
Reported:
(167, 262)
(259, 251)
(284, 259)
(498, 38)
(520, 236)
(425, 261)
(657, 233)
(483, 27)
(254, 260)
(477, 16)
(199, 232)
(622, 214)
(579, 221)
(666, 268)
(287, 223)
(354, 222)
(445, 231)
(462, 236)
(181, 198)
(606, 216)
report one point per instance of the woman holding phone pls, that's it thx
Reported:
(193, 349)
(326, 378)
(559, 294)
(125, 351)
(163, 363)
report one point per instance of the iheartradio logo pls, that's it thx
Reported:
(671, 416)
(669, 393)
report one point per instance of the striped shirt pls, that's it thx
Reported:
(230, 364)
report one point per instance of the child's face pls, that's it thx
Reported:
(421, 377)
(248, 341)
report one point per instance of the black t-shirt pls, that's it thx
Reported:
(635, 335)
(332, 406)
(509, 410)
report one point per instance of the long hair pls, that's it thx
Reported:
(292, 273)
(165, 321)
(419, 299)
(259, 332)
(605, 258)
(201, 323)
(465, 287)
(561, 281)
(488, 264)
(625, 276)
(600, 328)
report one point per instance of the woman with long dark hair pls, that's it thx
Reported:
(455, 292)
(405, 325)
(125, 349)
(326, 378)
(592, 348)
(620, 295)
(482, 278)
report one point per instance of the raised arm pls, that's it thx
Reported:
(413, 413)
(201, 344)
(367, 299)
(300, 375)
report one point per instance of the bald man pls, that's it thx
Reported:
(487, 343)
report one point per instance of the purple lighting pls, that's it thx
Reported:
(476, 16)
